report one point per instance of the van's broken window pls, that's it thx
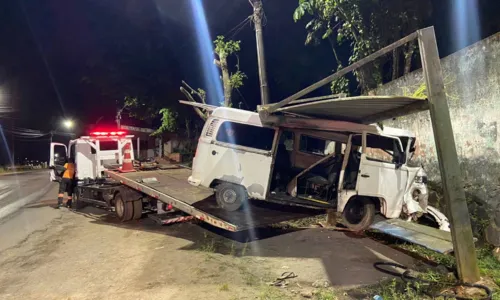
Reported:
(381, 148)
(309, 144)
(246, 135)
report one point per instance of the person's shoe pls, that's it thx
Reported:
(68, 204)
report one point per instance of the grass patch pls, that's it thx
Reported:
(326, 294)
(224, 287)
(245, 248)
(488, 265)
(397, 290)
(433, 256)
(222, 267)
(249, 278)
(232, 251)
(272, 293)
(208, 245)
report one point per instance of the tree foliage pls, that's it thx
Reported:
(223, 49)
(366, 26)
(168, 121)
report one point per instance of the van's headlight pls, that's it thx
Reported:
(421, 179)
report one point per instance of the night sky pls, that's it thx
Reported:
(62, 58)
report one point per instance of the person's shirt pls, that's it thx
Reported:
(70, 170)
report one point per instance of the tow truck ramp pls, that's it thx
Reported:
(171, 187)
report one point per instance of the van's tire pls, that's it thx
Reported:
(76, 203)
(124, 209)
(358, 213)
(230, 197)
(137, 209)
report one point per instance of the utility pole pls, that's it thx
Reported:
(258, 13)
(461, 232)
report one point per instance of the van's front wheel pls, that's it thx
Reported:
(231, 197)
(358, 213)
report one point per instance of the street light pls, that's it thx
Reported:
(68, 124)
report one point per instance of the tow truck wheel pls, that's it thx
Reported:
(137, 209)
(231, 197)
(124, 210)
(358, 213)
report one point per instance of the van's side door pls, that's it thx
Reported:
(242, 154)
(382, 172)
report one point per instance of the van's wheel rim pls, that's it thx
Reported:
(355, 214)
(229, 196)
(119, 208)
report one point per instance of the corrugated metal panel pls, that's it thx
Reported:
(428, 237)
(362, 109)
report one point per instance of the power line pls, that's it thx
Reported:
(236, 29)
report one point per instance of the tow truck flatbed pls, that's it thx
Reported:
(170, 186)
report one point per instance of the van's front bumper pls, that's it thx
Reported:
(193, 181)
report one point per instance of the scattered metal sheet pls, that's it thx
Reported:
(428, 237)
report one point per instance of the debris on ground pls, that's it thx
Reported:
(306, 293)
(321, 284)
(496, 253)
(281, 281)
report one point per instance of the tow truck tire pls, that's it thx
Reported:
(358, 214)
(231, 197)
(137, 209)
(76, 203)
(124, 209)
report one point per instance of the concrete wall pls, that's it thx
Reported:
(472, 81)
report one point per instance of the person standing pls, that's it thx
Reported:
(67, 183)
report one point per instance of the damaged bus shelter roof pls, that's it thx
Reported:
(361, 109)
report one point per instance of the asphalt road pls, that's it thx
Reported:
(17, 190)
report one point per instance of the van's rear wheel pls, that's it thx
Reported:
(231, 197)
(358, 213)
(124, 210)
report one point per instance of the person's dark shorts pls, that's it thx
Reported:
(66, 186)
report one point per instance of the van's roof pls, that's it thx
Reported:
(252, 118)
(238, 115)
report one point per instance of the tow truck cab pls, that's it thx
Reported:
(93, 154)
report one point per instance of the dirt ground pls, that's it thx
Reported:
(90, 255)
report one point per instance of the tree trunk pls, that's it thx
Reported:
(408, 56)
(196, 109)
(366, 77)
(395, 63)
(226, 80)
(332, 44)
